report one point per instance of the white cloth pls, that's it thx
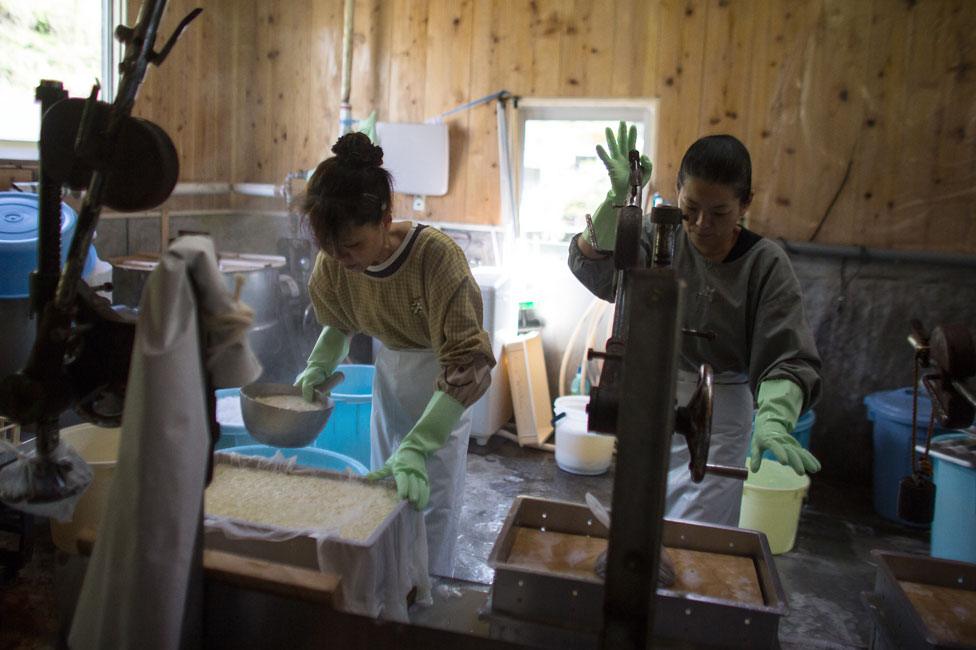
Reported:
(717, 499)
(375, 578)
(138, 588)
(402, 387)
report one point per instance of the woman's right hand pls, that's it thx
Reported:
(329, 351)
(310, 379)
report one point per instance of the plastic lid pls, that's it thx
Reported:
(896, 405)
(18, 217)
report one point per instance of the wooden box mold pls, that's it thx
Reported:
(560, 604)
(922, 602)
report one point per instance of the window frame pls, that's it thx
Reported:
(113, 12)
(639, 109)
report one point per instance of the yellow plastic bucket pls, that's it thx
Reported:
(771, 500)
(100, 448)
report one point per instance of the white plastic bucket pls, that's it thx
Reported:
(579, 451)
(99, 447)
(771, 500)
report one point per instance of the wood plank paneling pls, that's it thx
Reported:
(778, 72)
(449, 31)
(633, 57)
(882, 92)
(596, 46)
(481, 193)
(681, 54)
(726, 83)
(187, 96)
(953, 205)
(547, 25)
(830, 122)
(874, 186)
(408, 66)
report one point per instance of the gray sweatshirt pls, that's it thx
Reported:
(751, 300)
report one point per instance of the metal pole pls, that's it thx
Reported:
(345, 109)
(645, 422)
(44, 281)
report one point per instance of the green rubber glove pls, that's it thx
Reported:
(604, 232)
(368, 126)
(780, 401)
(408, 464)
(617, 161)
(331, 348)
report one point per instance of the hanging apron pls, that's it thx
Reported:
(402, 387)
(141, 588)
(716, 500)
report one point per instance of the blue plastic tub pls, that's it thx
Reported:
(347, 431)
(18, 241)
(954, 523)
(891, 413)
(232, 431)
(307, 456)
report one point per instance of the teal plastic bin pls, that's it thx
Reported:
(891, 413)
(232, 431)
(954, 523)
(347, 431)
(306, 456)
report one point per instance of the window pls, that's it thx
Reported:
(65, 40)
(561, 179)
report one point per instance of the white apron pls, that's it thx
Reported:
(716, 500)
(402, 387)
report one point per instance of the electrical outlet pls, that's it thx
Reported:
(419, 203)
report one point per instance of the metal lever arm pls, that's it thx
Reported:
(158, 57)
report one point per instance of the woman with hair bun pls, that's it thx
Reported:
(410, 287)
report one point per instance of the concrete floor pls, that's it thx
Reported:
(823, 576)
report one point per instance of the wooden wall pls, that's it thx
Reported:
(860, 114)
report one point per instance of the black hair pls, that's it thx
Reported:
(719, 159)
(349, 189)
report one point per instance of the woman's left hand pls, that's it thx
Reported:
(409, 469)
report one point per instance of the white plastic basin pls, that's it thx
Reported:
(579, 451)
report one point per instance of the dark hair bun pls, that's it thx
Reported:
(355, 150)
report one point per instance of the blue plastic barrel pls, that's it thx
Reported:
(891, 413)
(18, 241)
(306, 456)
(954, 523)
(347, 431)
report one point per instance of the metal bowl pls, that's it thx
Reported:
(280, 427)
